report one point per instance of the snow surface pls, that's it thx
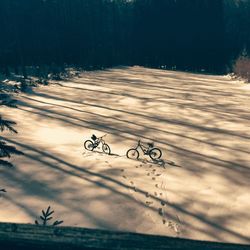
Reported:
(201, 123)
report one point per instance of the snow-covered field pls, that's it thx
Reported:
(201, 123)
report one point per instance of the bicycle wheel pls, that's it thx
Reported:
(89, 145)
(106, 149)
(155, 153)
(132, 153)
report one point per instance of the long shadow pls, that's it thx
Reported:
(189, 105)
(202, 159)
(109, 179)
(55, 198)
(212, 108)
(157, 119)
(165, 75)
(199, 86)
(138, 124)
(84, 171)
(26, 209)
(107, 92)
(38, 187)
(118, 132)
(110, 129)
(182, 92)
(199, 90)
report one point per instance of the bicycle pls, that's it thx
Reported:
(96, 141)
(153, 152)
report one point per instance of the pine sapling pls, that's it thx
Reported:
(5, 149)
(46, 216)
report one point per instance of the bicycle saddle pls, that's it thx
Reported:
(151, 144)
(93, 137)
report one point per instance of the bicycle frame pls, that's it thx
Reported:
(147, 149)
(99, 140)
(95, 142)
(144, 149)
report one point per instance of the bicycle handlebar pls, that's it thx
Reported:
(141, 144)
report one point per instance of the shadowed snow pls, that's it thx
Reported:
(201, 123)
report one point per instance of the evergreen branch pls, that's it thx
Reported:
(6, 124)
(3, 95)
(6, 150)
(46, 216)
(9, 103)
(56, 223)
(5, 163)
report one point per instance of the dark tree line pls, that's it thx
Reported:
(237, 19)
(185, 34)
(188, 35)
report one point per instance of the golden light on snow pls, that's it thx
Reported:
(200, 122)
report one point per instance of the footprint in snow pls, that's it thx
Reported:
(149, 203)
(160, 211)
(163, 203)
